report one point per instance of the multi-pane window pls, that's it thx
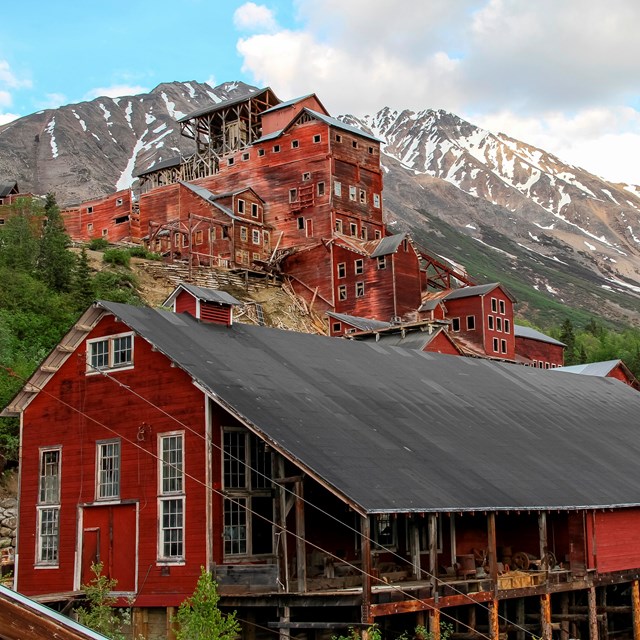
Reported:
(382, 262)
(108, 470)
(110, 352)
(171, 497)
(255, 236)
(376, 200)
(358, 266)
(48, 509)
(359, 289)
(342, 269)
(385, 531)
(471, 323)
(352, 193)
(342, 292)
(243, 234)
(339, 226)
(248, 504)
(337, 188)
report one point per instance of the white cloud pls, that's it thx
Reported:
(211, 81)
(115, 91)
(53, 101)
(9, 79)
(8, 117)
(253, 17)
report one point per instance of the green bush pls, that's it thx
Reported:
(142, 252)
(98, 244)
(117, 256)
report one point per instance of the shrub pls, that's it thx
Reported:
(98, 244)
(117, 256)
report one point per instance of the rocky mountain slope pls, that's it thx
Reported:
(553, 232)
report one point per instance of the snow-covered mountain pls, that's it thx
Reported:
(501, 206)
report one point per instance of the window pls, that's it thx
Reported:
(507, 325)
(230, 161)
(502, 307)
(320, 188)
(171, 497)
(495, 345)
(338, 137)
(382, 262)
(306, 176)
(118, 202)
(363, 196)
(295, 144)
(337, 189)
(499, 324)
(364, 233)
(385, 532)
(354, 144)
(110, 353)
(378, 234)
(198, 237)
(105, 232)
(490, 322)
(212, 234)
(353, 228)
(244, 234)
(276, 148)
(266, 239)
(336, 327)
(317, 138)
(89, 209)
(503, 347)
(293, 195)
(260, 152)
(339, 226)
(301, 224)
(245, 156)
(255, 236)
(494, 305)
(371, 150)
(359, 289)
(358, 266)
(455, 324)
(255, 256)
(248, 503)
(240, 205)
(342, 269)
(342, 292)
(108, 470)
(48, 509)
(254, 210)
(352, 193)
(471, 323)
(376, 200)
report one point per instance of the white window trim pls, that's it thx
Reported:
(165, 496)
(46, 564)
(99, 444)
(90, 370)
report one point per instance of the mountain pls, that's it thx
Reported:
(555, 234)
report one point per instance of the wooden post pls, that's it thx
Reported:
(281, 519)
(285, 616)
(433, 555)
(593, 614)
(171, 614)
(414, 543)
(564, 625)
(452, 538)
(301, 555)
(434, 624)
(602, 606)
(140, 622)
(542, 534)
(365, 546)
(494, 620)
(635, 605)
(491, 540)
(472, 618)
(520, 619)
(545, 616)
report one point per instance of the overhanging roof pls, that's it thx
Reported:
(428, 432)
(520, 331)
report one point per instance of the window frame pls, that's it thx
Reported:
(382, 262)
(502, 306)
(455, 324)
(358, 266)
(255, 236)
(110, 354)
(48, 542)
(360, 289)
(342, 270)
(171, 499)
(471, 323)
(337, 189)
(376, 200)
(244, 234)
(353, 193)
(342, 292)
(494, 305)
(100, 483)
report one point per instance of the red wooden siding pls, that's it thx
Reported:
(617, 540)
(442, 344)
(219, 314)
(186, 303)
(279, 118)
(543, 353)
(107, 218)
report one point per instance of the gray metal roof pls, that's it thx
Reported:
(527, 332)
(205, 194)
(363, 324)
(592, 368)
(476, 290)
(163, 164)
(204, 294)
(393, 429)
(289, 103)
(388, 244)
(224, 104)
(8, 187)
(334, 122)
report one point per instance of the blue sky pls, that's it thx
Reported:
(560, 74)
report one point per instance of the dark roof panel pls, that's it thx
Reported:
(527, 332)
(428, 432)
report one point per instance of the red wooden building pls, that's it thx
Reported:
(615, 369)
(324, 482)
(535, 349)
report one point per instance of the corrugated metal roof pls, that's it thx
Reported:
(202, 293)
(289, 103)
(393, 429)
(388, 244)
(527, 332)
(334, 122)
(8, 187)
(477, 290)
(205, 194)
(592, 368)
(158, 166)
(363, 324)
(226, 103)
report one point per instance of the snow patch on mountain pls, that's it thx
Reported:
(106, 114)
(54, 147)
(126, 177)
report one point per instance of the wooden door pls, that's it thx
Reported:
(109, 535)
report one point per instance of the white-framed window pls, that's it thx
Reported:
(89, 209)
(48, 508)
(266, 239)
(301, 224)
(364, 234)
(354, 144)
(276, 148)
(494, 305)
(471, 323)
(338, 137)
(503, 347)
(363, 196)
(295, 144)
(490, 322)
(359, 289)
(108, 470)
(230, 161)
(342, 269)
(254, 210)
(244, 234)
(502, 306)
(260, 152)
(342, 292)
(499, 324)
(118, 202)
(293, 195)
(248, 503)
(352, 193)
(382, 262)
(306, 176)
(377, 234)
(495, 345)
(110, 352)
(317, 138)
(240, 205)
(353, 228)
(339, 225)
(507, 325)
(255, 236)
(376, 200)
(358, 266)
(171, 497)
(455, 324)
(245, 156)
(320, 188)
(337, 189)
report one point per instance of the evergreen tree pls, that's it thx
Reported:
(19, 236)
(567, 335)
(82, 286)
(55, 263)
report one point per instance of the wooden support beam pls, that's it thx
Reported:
(542, 534)
(301, 554)
(281, 519)
(520, 619)
(434, 624)
(365, 546)
(635, 605)
(564, 609)
(593, 619)
(491, 539)
(411, 606)
(433, 553)
(545, 616)
(494, 619)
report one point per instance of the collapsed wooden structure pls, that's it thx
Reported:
(325, 483)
